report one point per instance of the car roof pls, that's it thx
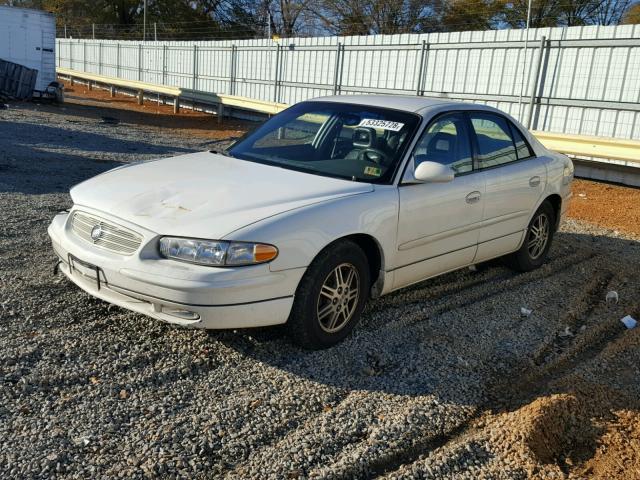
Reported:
(407, 103)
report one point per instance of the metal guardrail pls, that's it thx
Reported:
(120, 82)
(591, 147)
(575, 145)
(178, 94)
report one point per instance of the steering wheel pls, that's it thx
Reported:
(373, 154)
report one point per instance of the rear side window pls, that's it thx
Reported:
(495, 145)
(522, 147)
(446, 141)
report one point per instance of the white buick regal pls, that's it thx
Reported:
(331, 202)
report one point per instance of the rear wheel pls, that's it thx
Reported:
(330, 297)
(537, 242)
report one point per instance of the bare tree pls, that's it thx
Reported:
(459, 15)
(579, 12)
(362, 17)
(632, 14)
(544, 13)
(197, 19)
(344, 17)
(610, 12)
(288, 17)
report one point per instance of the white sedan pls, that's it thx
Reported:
(333, 201)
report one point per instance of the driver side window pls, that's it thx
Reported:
(446, 141)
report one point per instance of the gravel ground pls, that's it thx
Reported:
(445, 379)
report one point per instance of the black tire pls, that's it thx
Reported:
(528, 258)
(304, 325)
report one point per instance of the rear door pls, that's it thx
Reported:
(438, 222)
(514, 178)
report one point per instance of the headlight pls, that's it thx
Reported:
(216, 253)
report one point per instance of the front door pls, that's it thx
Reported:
(438, 222)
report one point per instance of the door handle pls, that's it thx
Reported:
(534, 181)
(473, 197)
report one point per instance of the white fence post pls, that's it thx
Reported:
(232, 72)
(164, 64)
(276, 74)
(194, 80)
(534, 86)
(337, 70)
(419, 90)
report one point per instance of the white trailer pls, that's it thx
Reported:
(28, 37)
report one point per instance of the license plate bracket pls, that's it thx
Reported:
(85, 269)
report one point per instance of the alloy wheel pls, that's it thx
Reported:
(538, 236)
(338, 298)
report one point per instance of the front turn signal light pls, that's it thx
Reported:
(264, 253)
(240, 253)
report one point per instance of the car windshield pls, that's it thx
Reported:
(354, 142)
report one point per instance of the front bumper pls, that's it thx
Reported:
(175, 292)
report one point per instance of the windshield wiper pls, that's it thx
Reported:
(221, 152)
(216, 148)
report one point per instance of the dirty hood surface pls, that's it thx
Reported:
(205, 195)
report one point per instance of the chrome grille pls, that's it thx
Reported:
(113, 237)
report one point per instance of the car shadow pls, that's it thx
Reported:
(463, 335)
(39, 159)
(43, 136)
(461, 338)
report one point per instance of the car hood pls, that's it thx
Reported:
(205, 195)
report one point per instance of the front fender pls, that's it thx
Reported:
(302, 233)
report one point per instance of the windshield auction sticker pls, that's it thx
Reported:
(383, 124)
(373, 171)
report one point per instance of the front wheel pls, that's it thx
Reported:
(330, 297)
(537, 241)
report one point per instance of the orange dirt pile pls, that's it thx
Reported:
(152, 113)
(611, 206)
(570, 436)
(585, 423)
(618, 455)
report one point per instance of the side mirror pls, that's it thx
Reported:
(433, 172)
